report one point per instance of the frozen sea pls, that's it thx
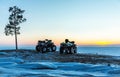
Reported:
(14, 68)
(17, 67)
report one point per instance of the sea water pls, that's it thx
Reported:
(104, 50)
(114, 51)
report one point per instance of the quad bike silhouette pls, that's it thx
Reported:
(69, 47)
(45, 46)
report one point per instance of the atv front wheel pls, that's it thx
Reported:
(37, 48)
(44, 49)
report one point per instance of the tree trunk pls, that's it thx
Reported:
(16, 39)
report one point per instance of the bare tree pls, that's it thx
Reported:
(15, 18)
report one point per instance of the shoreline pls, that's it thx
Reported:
(34, 56)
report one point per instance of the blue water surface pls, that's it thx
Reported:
(104, 50)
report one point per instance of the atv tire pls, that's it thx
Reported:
(61, 50)
(53, 48)
(75, 49)
(44, 49)
(37, 48)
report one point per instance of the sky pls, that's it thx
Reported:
(87, 22)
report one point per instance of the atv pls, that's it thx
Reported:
(68, 47)
(45, 46)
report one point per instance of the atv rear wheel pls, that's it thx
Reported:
(75, 49)
(53, 48)
(61, 50)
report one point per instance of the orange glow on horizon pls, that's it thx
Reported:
(58, 41)
(100, 43)
(29, 40)
(103, 43)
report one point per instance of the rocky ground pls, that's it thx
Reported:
(34, 56)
